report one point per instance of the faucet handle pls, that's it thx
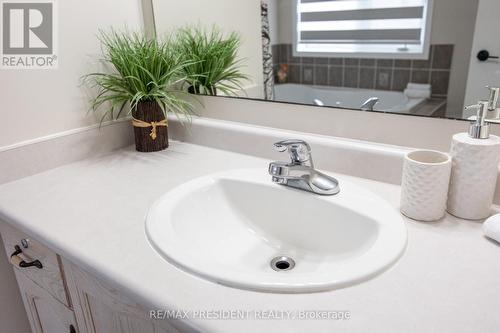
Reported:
(299, 150)
(480, 128)
(493, 97)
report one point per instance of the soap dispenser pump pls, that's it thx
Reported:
(475, 157)
(479, 129)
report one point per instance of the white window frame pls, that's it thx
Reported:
(355, 51)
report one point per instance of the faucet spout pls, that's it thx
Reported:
(369, 104)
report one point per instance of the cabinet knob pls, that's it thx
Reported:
(25, 242)
(16, 260)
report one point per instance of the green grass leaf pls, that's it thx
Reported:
(211, 60)
(141, 69)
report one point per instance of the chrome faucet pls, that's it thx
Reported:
(318, 102)
(300, 172)
(369, 104)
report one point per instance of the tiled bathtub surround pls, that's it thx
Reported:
(383, 74)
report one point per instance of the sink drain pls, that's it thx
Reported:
(282, 264)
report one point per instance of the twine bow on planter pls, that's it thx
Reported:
(153, 125)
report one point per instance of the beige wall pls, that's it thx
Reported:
(272, 15)
(453, 23)
(36, 103)
(482, 74)
(240, 16)
(282, 28)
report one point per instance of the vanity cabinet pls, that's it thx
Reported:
(45, 314)
(40, 278)
(60, 297)
(101, 309)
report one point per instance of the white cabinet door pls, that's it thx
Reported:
(45, 313)
(102, 309)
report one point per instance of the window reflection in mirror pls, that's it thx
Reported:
(416, 57)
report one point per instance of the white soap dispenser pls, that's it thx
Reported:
(475, 157)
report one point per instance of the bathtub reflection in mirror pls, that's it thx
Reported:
(349, 98)
(416, 57)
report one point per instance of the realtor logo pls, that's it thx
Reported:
(28, 36)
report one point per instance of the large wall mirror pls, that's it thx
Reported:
(415, 57)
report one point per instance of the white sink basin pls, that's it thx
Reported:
(227, 228)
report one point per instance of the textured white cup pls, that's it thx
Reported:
(424, 188)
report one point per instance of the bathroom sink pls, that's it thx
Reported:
(239, 229)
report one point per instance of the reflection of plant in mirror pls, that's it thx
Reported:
(212, 60)
(142, 70)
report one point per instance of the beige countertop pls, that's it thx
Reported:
(92, 212)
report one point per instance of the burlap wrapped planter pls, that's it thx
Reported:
(150, 127)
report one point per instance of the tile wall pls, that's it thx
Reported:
(382, 74)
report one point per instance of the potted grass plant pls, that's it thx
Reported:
(143, 75)
(212, 60)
